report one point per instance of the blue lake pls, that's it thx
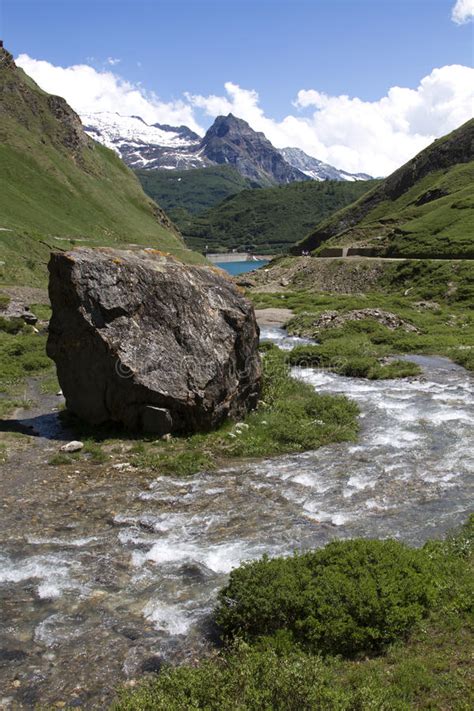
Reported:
(241, 267)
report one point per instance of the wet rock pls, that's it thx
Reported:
(145, 341)
(11, 655)
(128, 632)
(29, 317)
(74, 446)
(152, 665)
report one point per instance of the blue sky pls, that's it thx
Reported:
(355, 47)
(277, 48)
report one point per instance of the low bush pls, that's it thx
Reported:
(430, 671)
(249, 679)
(12, 325)
(351, 597)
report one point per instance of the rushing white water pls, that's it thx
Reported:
(129, 567)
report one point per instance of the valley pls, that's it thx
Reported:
(237, 411)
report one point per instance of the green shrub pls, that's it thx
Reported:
(249, 679)
(347, 598)
(12, 325)
(432, 671)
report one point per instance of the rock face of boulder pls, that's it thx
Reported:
(143, 340)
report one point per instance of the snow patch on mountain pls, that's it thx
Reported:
(142, 145)
(316, 169)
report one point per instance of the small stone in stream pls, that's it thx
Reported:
(12, 655)
(74, 446)
(59, 393)
(152, 665)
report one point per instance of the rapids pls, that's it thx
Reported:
(104, 574)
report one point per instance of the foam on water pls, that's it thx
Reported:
(172, 619)
(279, 336)
(52, 573)
(155, 564)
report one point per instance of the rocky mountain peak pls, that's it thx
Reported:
(231, 140)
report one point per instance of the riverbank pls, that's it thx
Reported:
(109, 569)
(421, 670)
(111, 558)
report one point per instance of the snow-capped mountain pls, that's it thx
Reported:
(229, 141)
(142, 145)
(316, 169)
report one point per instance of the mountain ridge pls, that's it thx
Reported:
(423, 209)
(316, 169)
(267, 220)
(229, 141)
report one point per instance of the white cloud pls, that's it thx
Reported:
(360, 136)
(463, 11)
(374, 137)
(86, 89)
(113, 61)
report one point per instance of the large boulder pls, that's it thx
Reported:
(140, 339)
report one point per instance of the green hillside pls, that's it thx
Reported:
(424, 209)
(59, 186)
(269, 220)
(180, 192)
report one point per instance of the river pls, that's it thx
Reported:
(105, 572)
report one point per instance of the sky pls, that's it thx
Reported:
(360, 84)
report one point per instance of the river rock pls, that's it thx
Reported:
(74, 446)
(336, 319)
(141, 339)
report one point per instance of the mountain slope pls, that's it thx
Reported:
(58, 185)
(181, 192)
(268, 220)
(424, 209)
(316, 169)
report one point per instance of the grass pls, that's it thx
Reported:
(351, 356)
(22, 355)
(291, 417)
(445, 329)
(268, 220)
(61, 458)
(430, 670)
(423, 210)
